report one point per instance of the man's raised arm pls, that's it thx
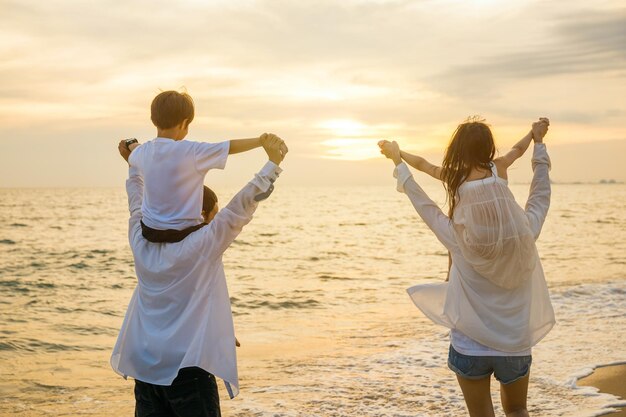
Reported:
(230, 220)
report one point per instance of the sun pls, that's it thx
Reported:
(344, 127)
(350, 149)
(349, 139)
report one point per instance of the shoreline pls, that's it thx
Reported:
(609, 379)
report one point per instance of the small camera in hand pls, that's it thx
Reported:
(129, 142)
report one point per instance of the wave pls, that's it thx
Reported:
(611, 402)
(18, 225)
(328, 277)
(276, 305)
(35, 345)
(79, 265)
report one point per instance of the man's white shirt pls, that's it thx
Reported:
(179, 314)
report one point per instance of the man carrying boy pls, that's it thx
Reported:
(173, 169)
(178, 332)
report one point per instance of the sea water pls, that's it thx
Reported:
(317, 284)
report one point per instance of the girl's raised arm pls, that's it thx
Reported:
(422, 164)
(516, 152)
(520, 147)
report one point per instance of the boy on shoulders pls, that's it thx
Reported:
(173, 169)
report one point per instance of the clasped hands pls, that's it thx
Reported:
(391, 150)
(540, 128)
(274, 146)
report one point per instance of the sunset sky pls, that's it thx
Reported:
(330, 77)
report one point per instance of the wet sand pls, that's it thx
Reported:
(609, 379)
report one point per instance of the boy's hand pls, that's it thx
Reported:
(391, 150)
(275, 148)
(540, 128)
(266, 137)
(124, 150)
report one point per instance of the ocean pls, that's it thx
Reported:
(317, 282)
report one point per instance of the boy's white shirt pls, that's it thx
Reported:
(510, 321)
(179, 314)
(173, 173)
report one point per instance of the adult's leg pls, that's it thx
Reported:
(477, 394)
(149, 401)
(194, 394)
(514, 397)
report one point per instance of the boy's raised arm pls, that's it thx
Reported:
(244, 145)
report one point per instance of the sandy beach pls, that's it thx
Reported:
(608, 379)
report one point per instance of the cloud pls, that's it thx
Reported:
(408, 70)
(585, 42)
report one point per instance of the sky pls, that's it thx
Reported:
(329, 77)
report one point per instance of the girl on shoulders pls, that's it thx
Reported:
(496, 302)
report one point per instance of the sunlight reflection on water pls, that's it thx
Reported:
(318, 292)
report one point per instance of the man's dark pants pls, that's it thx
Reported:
(192, 394)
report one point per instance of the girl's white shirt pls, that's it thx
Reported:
(179, 314)
(498, 313)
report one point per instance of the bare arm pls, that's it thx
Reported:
(422, 164)
(243, 145)
(516, 151)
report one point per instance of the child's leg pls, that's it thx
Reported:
(477, 394)
(514, 396)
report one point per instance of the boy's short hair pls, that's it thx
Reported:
(170, 108)
(209, 199)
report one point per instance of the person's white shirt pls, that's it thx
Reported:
(510, 321)
(179, 314)
(173, 173)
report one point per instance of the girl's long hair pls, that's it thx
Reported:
(472, 146)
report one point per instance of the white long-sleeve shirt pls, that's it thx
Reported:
(179, 314)
(508, 320)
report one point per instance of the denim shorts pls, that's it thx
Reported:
(507, 369)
